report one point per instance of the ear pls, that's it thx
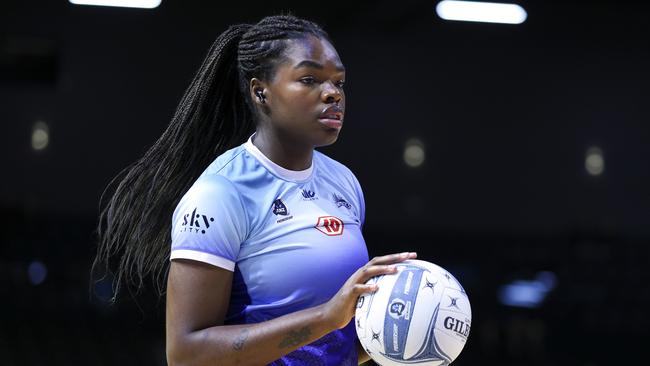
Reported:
(258, 91)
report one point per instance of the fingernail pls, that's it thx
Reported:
(405, 254)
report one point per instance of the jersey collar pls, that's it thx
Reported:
(290, 175)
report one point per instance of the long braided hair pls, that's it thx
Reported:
(215, 114)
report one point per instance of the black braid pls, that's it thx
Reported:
(215, 114)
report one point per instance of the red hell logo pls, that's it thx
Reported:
(329, 225)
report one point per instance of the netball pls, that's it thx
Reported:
(421, 314)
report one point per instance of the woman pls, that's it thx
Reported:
(267, 256)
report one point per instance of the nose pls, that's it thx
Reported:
(331, 94)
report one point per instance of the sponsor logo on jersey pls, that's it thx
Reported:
(308, 195)
(329, 225)
(340, 201)
(196, 222)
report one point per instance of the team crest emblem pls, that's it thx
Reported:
(279, 208)
(329, 225)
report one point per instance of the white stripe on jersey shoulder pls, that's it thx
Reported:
(290, 175)
(203, 257)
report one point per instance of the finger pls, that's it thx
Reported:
(360, 289)
(393, 258)
(368, 272)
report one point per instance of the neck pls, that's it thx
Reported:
(287, 154)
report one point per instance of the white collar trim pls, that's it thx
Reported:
(291, 175)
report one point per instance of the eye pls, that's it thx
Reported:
(340, 84)
(307, 80)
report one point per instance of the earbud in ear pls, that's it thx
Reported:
(260, 96)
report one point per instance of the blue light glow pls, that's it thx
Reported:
(37, 272)
(528, 294)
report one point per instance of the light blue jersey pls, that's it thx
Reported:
(292, 238)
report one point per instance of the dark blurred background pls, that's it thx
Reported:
(515, 156)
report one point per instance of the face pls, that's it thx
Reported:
(305, 85)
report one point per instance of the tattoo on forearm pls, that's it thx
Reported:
(295, 338)
(238, 344)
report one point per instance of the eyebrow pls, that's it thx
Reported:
(316, 65)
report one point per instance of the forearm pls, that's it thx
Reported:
(250, 344)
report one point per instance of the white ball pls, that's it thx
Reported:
(420, 314)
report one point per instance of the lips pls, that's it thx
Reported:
(332, 112)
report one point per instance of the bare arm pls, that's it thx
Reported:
(197, 299)
(198, 295)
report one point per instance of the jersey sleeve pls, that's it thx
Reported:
(360, 199)
(209, 223)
